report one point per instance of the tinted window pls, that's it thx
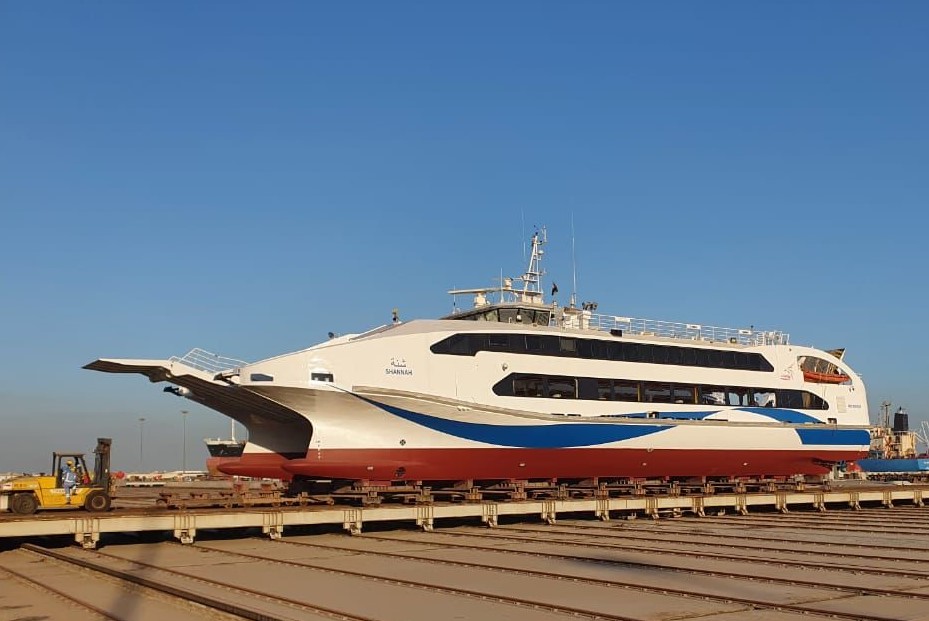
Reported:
(529, 387)
(655, 392)
(683, 393)
(562, 387)
(625, 390)
(498, 342)
(533, 343)
(597, 349)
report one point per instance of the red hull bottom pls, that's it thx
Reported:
(495, 464)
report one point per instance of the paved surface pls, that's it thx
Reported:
(867, 564)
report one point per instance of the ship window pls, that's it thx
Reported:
(655, 392)
(764, 398)
(605, 389)
(508, 315)
(813, 402)
(498, 342)
(688, 356)
(529, 387)
(625, 390)
(712, 395)
(562, 387)
(597, 349)
(533, 343)
(740, 396)
(684, 393)
(261, 377)
(727, 359)
(659, 355)
(632, 352)
(491, 315)
(321, 377)
(702, 357)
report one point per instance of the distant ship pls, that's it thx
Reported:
(894, 448)
(223, 450)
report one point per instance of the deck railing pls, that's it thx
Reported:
(209, 362)
(675, 330)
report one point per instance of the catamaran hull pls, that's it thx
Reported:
(393, 438)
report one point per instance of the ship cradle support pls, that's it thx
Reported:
(87, 530)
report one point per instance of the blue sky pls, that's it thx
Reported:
(245, 177)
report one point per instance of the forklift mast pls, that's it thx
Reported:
(102, 462)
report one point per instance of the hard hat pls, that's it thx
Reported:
(70, 462)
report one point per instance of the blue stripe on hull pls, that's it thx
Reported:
(574, 435)
(558, 435)
(835, 437)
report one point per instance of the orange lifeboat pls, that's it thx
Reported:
(825, 378)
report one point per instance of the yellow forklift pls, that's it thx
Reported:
(94, 489)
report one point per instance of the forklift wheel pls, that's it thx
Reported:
(24, 504)
(97, 501)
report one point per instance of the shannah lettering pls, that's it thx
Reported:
(399, 371)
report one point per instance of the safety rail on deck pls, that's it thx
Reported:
(206, 361)
(670, 329)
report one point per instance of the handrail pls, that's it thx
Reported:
(206, 361)
(676, 330)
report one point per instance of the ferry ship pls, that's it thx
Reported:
(519, 388)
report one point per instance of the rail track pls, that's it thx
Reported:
(640, 570)
(839, 584)
(618, 541)
(213, 595)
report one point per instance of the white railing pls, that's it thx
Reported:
(675, 330)
(206, 361)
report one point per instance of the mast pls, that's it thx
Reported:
(532, 288)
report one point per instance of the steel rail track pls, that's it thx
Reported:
(504, 599)
(831, 519)
(635, 534)
(222, 605)
(704, 572)
(902, 573)
(42, 586)
(752, 603)
(780, 540)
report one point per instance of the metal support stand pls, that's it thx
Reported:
(185, 527)
(352, 521)
(489, 516)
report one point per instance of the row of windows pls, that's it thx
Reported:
(603, 389)
(600, 349)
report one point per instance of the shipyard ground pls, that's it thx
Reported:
(857, 552)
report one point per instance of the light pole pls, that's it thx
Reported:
(184, 416)
(141, 444)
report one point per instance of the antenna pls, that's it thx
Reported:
(573, 265)
(522, 237)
